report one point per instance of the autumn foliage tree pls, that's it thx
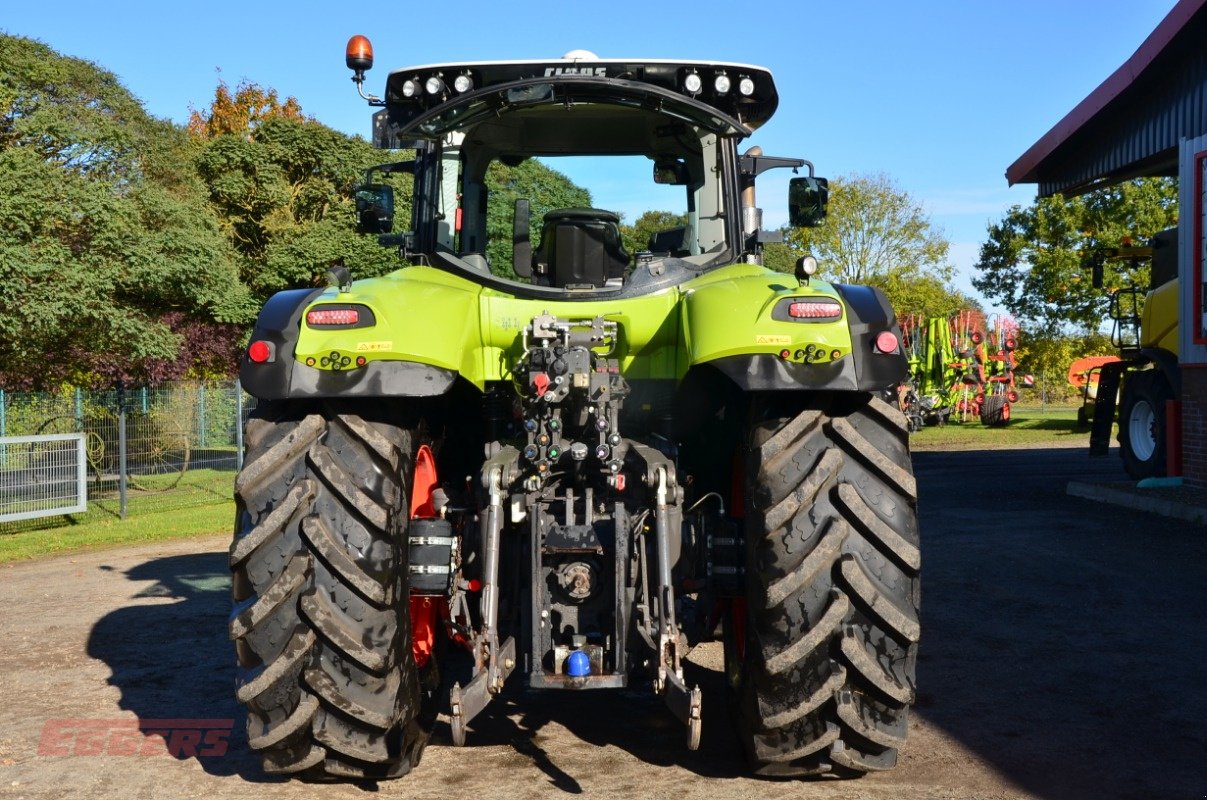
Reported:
(281, 185)
(242, 111)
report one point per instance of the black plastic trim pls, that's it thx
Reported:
(764, 372)
(1167, 362)
(375, 379)
(278, 324)
(870, 314)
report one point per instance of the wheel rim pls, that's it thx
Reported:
(1140, 426)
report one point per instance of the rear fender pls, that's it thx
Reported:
(415, 346)
(736, 320)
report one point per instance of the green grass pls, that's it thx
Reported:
(1030, 426)
(200, 503)
(99, 529)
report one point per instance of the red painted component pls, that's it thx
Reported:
(475, 585)
(541, 382)
(620, 482)
(425, 615)
(423, 484)
(457, 223)
(785, 354)
(260, 351)
(361, 361)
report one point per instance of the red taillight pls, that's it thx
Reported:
(814, 310)
(333, 316)
(260, 351)
(886, 342)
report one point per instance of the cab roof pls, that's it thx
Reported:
(429, 100)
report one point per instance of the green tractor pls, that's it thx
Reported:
(578, 464)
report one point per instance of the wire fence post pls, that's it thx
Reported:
(201, 415)
(238, 426)
(121, 448)
(79, 409)
(3, 430)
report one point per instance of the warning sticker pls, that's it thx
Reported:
(371, 347)
(768, 338)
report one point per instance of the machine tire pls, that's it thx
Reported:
(996, 411)
(1141, 411)
(320, 604)
(831, 627)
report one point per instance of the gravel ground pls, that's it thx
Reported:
(1063, 657)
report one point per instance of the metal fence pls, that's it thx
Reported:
(45, 476)
(146, 448)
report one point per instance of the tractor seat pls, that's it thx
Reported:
(581, 247)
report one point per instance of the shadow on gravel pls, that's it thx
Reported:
(172, 660)
(1063, 640)
(634, 720)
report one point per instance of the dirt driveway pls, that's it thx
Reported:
(1064, 655)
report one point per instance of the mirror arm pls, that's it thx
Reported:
(754, 166)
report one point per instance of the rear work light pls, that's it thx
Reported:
(339, 316)
(815, 309)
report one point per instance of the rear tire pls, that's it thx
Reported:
(1142, 424)
(996, 411)
(320, 618)
(831, 632)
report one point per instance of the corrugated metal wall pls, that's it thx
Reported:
(1138, 134)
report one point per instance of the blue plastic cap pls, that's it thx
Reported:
(578, 665)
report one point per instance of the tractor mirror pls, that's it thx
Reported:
(671, 171)
(807, 198)
(374, 208)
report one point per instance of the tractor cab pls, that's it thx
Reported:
(666, 130)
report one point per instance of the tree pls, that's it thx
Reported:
(636, 237)
(873, 229)
(243, 111)
(1037, 260)
(544, 188)
(107, 248)
(1048, 353)
(282, 187)
(875, 233)
(926, 295)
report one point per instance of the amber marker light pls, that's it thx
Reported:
(359, 54)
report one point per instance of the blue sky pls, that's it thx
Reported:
(941, 96)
